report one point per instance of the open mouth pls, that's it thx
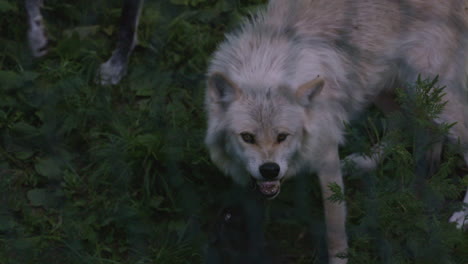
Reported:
(269, 188)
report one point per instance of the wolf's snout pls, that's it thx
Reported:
(269, 170)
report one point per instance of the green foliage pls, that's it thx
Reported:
(423, 100)
(400, 216)
(92, 174)
(338, 195)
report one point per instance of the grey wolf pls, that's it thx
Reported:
(110, 72)
(281, 88)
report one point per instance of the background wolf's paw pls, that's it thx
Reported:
(338, 260)
(461, 219)
(37, 38)
(358, 161)
(111, 72)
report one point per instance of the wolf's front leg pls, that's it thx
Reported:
(335, 211)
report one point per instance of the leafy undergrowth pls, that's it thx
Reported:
(93, 174)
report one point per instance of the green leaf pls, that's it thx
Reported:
(49, 168)
(82, 32)
(45, 197)
(156, 202)
(465, 181)
(109, 30)
(180, 2)
(24, 154)
(6, 222)
(10, 79)
(337, 196)
(5, 6)
(24, 129)
(3, 116)
(178, 226)
(29, 76)
(39, 197)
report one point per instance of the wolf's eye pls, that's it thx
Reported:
(282, 137)
(248, 138)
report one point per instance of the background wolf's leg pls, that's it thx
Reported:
(36, 32)
(456, 111)
(363, 162)
(335, 211)
(461, 217)
(112, 71)
(366, 163)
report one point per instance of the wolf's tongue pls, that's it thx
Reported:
(268, 187)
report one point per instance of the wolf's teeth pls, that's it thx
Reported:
(269, 187)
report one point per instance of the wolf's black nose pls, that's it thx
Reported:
(269, 170)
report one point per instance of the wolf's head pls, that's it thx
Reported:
(257, 131)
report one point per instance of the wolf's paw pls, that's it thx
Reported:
(111, 72)
(461, 219)
(337, 260)
(37, 37)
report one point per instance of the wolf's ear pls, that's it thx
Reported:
(222, 90)
(309, 90)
